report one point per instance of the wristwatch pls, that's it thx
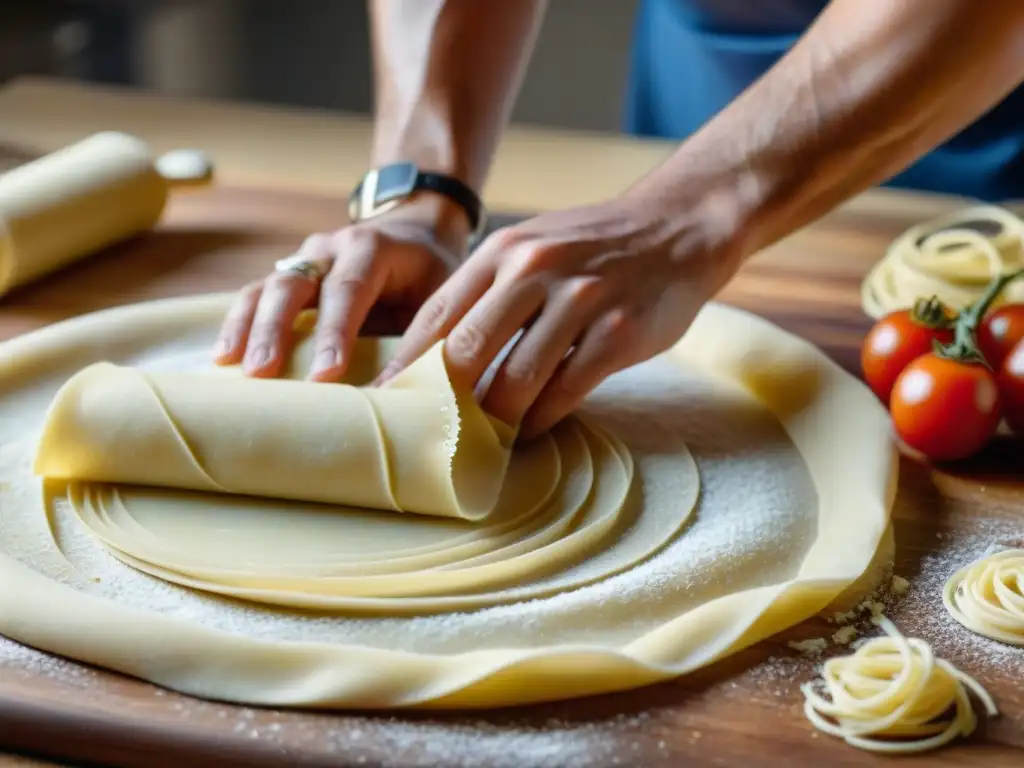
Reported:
(387, 187)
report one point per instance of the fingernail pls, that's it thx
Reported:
(325, 359)
(221, 348)
(257, 358)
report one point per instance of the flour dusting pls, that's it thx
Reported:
(755, 520)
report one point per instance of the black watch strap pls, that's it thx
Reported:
(384, 188)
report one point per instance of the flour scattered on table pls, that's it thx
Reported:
(455, 742)
(915, 606)
(30, 663)
(921, 612)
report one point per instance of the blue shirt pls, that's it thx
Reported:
(692, 57)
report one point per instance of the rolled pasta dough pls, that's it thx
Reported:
(414, 446)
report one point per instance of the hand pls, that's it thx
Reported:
(396, 259)
(596, 289)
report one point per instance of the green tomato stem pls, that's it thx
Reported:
(932, 313)
(964, 348)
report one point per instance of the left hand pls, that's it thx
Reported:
(597, 289)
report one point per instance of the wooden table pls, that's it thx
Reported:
(744, 711)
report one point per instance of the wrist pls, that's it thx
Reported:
(428, 142)
(448, 220)
(433, 215)
(452, 209)
(714, 214)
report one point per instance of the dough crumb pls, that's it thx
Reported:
(811, 647)
(868, 608)
(900, 586)
(844, 635)
(845, 618)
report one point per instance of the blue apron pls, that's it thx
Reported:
(692, 57)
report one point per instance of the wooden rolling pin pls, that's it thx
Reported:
(86, 197)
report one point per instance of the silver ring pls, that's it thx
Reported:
(312, 269)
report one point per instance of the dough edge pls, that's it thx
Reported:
(855, 476)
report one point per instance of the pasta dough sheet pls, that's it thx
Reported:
(790, 518)
(563, 496)
(414, 446)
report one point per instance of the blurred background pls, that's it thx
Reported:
(305, 53)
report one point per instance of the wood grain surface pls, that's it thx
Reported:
(744, 711)
(303, 150)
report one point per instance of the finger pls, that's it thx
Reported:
(488, 327)
(440, 313)
(610, 345)
(536, 356)
(348, 294)
(284, 297)
(448, 305)
(234, 333)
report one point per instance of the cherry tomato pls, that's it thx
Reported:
(946, 409)
(999, 333)
(891, 345)
(1011, 388)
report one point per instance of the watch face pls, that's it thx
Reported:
(382, 189)
(395, 181)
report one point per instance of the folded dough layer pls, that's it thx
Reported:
(416, 445)
(545, 531)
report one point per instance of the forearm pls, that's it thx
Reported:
(871, 87)
(446, 74)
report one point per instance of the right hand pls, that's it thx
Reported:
(395, 259)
